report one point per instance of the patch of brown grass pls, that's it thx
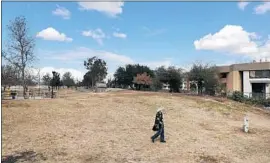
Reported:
(10, 103)
(116, 127)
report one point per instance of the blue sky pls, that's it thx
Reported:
(151, 33)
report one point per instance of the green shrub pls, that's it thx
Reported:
(253, 101)
(238, 96)
(266, 102)
(156, 85)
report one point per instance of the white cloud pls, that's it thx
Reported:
(234, 39)
(111, 9)
(82, 53)
(61, 11)
(119, 35)
(53, 35)
(113, 60)
(97, 34)
(262, 8)
(243, 5)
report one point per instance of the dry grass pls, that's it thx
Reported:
(116, 127)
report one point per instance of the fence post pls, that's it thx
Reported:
(246, 124)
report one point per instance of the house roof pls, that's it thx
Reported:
(101, 85)
(245, 67)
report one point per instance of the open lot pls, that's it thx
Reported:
(116, 127)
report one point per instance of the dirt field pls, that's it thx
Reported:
(116, 127)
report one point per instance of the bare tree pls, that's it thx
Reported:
(9, 75)
(20, 46)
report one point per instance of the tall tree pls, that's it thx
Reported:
(211, 79)
(124, 75)
(55, 82)
(171, 75)
(156, 84)
(205, 77)
(46, 79)
(68, 80)
(87, 80)
(30, 79)
(142, 80)
(9, 75)
(197, 75)
(97, 69)
(20, 47)
(175, 79)
(120, 76)
(162, 74)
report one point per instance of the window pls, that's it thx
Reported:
(252, 74)
(223, 75)
(266, 74)
(259, 74)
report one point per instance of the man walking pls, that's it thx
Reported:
(159, 127)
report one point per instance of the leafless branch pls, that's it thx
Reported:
(20, 47)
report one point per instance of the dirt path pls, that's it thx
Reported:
(116, 127)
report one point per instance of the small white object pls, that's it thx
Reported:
(159, 109)
(246, 124)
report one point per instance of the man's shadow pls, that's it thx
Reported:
(23, 156)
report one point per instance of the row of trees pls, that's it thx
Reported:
(10, 75)
(203, 77)
(55, 81)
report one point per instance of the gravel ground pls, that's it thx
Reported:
(116, 127)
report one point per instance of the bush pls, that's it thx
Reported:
(253, 101)
(266, 102)
(156, 85)
(238, 96)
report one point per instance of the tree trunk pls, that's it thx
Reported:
(92, 82)
(52, 92)
(23, 84)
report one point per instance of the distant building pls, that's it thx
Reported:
(100, 87)
(253, 79)
(165, 86)
(185, 84)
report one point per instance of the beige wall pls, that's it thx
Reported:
(234, 81)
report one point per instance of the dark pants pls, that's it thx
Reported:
(159, 132)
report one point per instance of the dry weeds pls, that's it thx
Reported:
(116, 127)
